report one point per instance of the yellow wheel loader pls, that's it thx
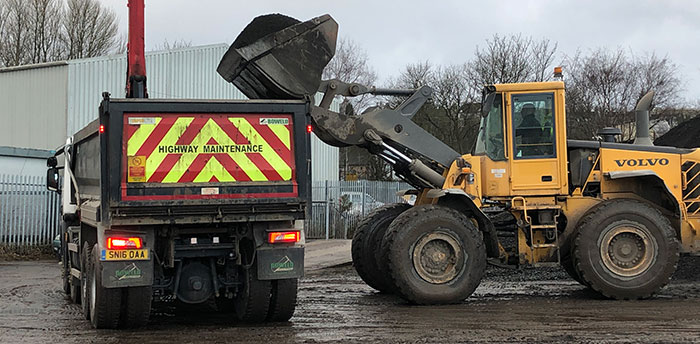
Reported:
(615, 216)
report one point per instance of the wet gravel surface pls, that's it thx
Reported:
(335, 305)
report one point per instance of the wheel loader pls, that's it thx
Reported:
(615, 216)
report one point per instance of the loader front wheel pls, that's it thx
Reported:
(435, 255)
(366, 242)
(626, 249)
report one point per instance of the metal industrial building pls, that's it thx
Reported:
(42, 104)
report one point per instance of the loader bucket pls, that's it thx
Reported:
(278, 57)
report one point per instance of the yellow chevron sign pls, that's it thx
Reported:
(201, 148)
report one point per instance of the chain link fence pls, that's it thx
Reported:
(29, 213)
(339, 206)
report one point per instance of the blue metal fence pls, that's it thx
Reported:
(29, 213)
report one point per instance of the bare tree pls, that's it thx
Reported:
(176, 44)
(90, 28)
(514, 58)
(604, 87)
(45, 30)
(16, 38)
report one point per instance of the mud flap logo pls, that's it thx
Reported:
(128, 272)
(282, 265)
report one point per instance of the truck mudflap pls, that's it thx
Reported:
(280, 263)
(127, 273)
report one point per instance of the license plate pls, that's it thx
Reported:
(125, 255)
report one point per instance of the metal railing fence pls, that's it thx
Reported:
(29, 213)
(339, 206)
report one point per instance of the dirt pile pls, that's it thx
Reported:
(684, 135)
(262, 26)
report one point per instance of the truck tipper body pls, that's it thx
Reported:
(194, 201)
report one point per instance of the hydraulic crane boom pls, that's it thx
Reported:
(136, 60)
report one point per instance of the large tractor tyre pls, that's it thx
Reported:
(283, 301)
(252, 301)
(435, 255)
(105, 303)
(567, 264)
(625, 249)
(567, 260)
(137, 306)
(85, 266)
(366, 243)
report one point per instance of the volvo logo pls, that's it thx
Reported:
(642, 162)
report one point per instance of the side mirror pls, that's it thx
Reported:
(52, 179)
(51, 162)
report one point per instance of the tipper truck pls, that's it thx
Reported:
(191, 201)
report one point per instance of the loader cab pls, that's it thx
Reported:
(522, 140)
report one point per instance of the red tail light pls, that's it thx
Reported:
(102, 128)
(280, 237)
(309, 128)
(115, 243)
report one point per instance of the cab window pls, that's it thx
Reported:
(533, 125)
(490, 138)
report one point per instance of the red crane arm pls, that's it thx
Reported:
(136, 60)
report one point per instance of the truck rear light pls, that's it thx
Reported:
(102, 128)
(115, 243)
(282, 237)
(309, 128)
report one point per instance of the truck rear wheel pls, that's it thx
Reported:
(284, 299)
(85, 266)
(137, 306)
(252, 301)
(105, 303)
(626, 249)
(366, 243)
(435, 255)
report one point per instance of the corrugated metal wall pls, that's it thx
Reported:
(43, 104)
(32, 106)
(180, 73)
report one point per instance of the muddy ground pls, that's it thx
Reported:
(335, 305)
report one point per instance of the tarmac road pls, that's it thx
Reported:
(335, 305)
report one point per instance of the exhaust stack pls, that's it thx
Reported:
(642, 123)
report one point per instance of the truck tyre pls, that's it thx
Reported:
(105, 303)
(568, 265)
(85, 266)
(137, 306)
(252, 301)
(366, 243)
(625, 249)
(436, 255)
(284, 300)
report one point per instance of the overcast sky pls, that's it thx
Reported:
(396, 33)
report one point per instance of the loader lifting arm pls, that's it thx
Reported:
(288, 63)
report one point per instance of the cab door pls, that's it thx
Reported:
(533, 122)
